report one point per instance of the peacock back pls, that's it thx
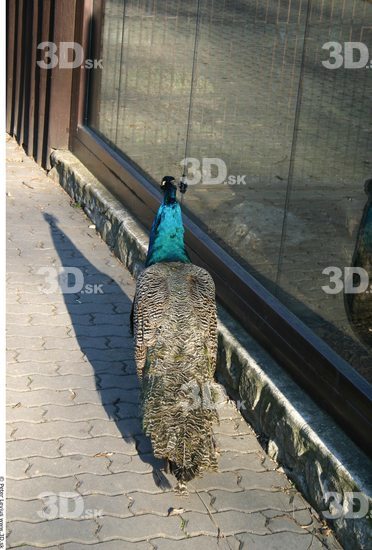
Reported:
(175, 329)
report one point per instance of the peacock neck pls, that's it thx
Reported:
(167, 233)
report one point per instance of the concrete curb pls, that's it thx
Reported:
(314, 452)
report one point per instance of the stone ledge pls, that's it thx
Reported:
(315, 453)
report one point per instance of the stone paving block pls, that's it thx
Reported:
(25, 448)
(97, 445)
(237, 426)
(28, 369)
(91, 308)
(104, 505)
(65, 382)
(102, 330)
(20, 384)
(16, 469)
(140, 464)
(33, 488)
(229, 461)
(284, 523)
(118, 319)
(117, 484)
(47, 356)
(16, 277)
(120, 342)
(199, 524)
(269, 480)
(104, 396)
(78, 412)
(24, 342)
(47, 310)
(281, 541)
(139, 528)
(238, 443)
(23, 320)
(95, 342)
(50, 430)
(18, 413)
(31, 399)
(127, 427)
(85, 368)
(56, 531)
(34, 331)
(232, 522)
(161, 503)
(91, 395)
(125, 381)
(227, 411)
(303, 517)
(108, 354)
(201, 542)
(255, 500)
(60, 320)
(12, 356)
(24, 510)
(217, 480)
(69, 465)
(111, 545)
(40, 296)
(10, 432)
(56, 343)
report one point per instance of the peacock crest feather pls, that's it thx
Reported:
(175, 331)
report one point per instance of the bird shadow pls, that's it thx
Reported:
(99, 312)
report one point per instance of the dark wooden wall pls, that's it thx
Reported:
(38, 100)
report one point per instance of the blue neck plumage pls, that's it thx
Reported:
(167, 233)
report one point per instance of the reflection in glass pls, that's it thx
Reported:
(359, 304)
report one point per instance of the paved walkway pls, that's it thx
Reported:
(80, 471)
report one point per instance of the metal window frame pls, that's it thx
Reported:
(329, 380)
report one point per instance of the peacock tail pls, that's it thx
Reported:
(175, 330)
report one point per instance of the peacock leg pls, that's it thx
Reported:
(181, 488)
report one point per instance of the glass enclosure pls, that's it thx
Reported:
(270, 102)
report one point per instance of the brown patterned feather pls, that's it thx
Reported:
(175, 330)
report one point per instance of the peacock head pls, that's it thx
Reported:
(168, 186)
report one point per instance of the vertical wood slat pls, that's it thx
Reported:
(18, 67)
(94, 103)
(61, 79)
(26, 71)
(83, 22)
(33, 88)
(11, 37)
(43, 78)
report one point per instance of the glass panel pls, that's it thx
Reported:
(326, 196)
(147, 52)
(240, 89)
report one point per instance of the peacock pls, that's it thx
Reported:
(175, 333)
